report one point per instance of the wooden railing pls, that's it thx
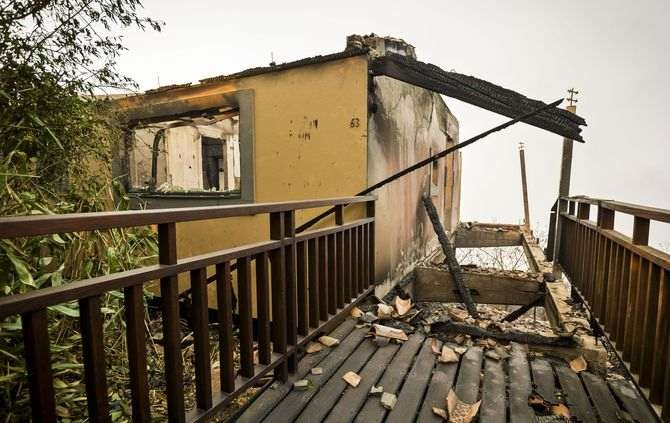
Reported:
(625, 282)
(304, 283)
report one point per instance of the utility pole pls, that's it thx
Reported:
(564, 183)
(524, 185)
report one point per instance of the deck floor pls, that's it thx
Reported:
(420, 382)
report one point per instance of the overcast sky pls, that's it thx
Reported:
(616, 53)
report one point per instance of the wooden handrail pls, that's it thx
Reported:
(624, 281)
(313, 280)
(25, 226)
(651, 213)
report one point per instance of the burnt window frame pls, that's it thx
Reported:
(242, 101)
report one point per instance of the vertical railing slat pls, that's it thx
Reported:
(263, 308)
(355, 253)
(313, 269)
(649, 321)
(92, 337)
(137, 353)
(662, 342)
(203, 366)
(370, 212)
(277, 268)
(339, 258)
(359, 259)
(38, 365)
(174, 377)
(291, 288)
(245, 318)
(348, 274)
(332, 275)
(224, 304)
(323, 278)
(303, 315)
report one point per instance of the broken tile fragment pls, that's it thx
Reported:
(388, 400)
(376, 390)
(459, 411)
(369, 317)
(302, 385)
(352, 378)
(329, 341)
(316, 371)
(356, 312)
(578, 364)
(440, 412)
(313, 347)
(447, 355)
(388, 332)
(402, 306)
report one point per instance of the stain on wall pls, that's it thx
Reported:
(406, 124)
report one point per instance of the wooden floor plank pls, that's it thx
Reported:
(469, 375)
(438, 389)
(265, 402)
(601, 397)
(352, 400)
(319, 406)
(543, 379)
(411, 394)
(635, 405)
(575, 396)
(295, 401)
(519, 386)
(393, 377)
(494, 397)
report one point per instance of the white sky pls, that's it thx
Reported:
(616, 53)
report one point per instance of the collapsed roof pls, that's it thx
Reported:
(477, 92)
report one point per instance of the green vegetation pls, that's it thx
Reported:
(56, 143)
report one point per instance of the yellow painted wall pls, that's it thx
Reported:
(305, 145)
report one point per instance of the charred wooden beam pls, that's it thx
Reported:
(486, 287)
(449, 326)
(477, 92)
(449, 252)
(523, 309)
(477, 235)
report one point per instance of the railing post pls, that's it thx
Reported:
(277, 268)
(291, 287)
(137, 353)
(370, 212)
(583, 211)
(640, 231)
(38, 365)
(174, 368)
(562, 206)
(605, 217)
(203, 374)
(94, 359)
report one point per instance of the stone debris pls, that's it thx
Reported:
(376, 391)
(316, 371)
(352, 378)
(369, 317)
(302, 385)
(388, 400)
(356, 312)
(384, 311)
(329, 341)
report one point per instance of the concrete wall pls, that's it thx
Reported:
(407, 124)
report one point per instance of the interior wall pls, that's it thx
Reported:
(405, 125)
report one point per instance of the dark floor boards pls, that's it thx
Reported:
(412, 372)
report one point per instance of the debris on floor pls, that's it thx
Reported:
(329, 341)
(460, 411)
(352, 378)
(376, 391)
(302, 385)
(388, 400)
(316, 371)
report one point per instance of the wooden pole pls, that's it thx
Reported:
(524, 186)
(564, 185)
